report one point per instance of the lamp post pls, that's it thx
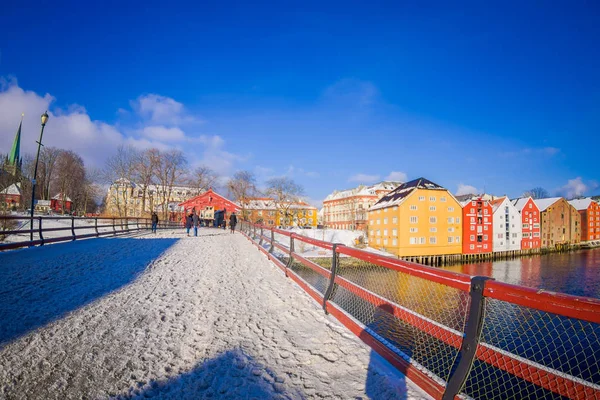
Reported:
(37, 158)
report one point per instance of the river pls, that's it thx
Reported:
(576, 273)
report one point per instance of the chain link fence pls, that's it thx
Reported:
(456, 330)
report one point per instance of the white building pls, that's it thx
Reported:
(508, 228)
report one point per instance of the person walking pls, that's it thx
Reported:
(188, 223)
(195, 221)
(154, 222)
(232, 221)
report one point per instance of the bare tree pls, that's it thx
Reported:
(70, 179)
(285, 193)
(241, 187)
(170, 170)
(203, 178)
(147, 164)
(537, 193)
(46, 169)
(119, 174)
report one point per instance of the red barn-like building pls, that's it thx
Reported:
(56, 203)
(589, 211)
(530, 218)
(477, 226)
(207, 204)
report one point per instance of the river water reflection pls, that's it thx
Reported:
(576, 273)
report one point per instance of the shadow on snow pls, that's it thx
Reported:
(231, 375)
(41, 284)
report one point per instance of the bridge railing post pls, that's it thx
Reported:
(40, 230)
(114, 220)
(73, 228)
(471, 339)
(261, 236)
(272, 241)
(335, 259)
(96, 226)
(291, 259)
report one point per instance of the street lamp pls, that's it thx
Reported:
(37, 158)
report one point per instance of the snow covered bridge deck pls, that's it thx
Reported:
(173, 317)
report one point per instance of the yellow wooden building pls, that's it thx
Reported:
(418, 218)
(268, 212)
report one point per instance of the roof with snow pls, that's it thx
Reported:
(520, 202)
(581, 204)
(543, 204)
(397, 195)
(363, 190)
(13, 190)
(497, 203)
(60, 197)
(266, 203)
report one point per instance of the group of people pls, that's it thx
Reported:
(193, 221)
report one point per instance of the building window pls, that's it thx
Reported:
(432, 220)
(371, 222)
(432, 208)
(413, 240)
(385, 241)
(394, 232)
(422, 240)
(394, 242)
(472, 237)
(457, 239)
(394, 220)
(385, 232)
(431, 198)
(378, 221)
(450, 220)
(485, 228)
(421, 198)
(472, 247)
(450, 239)
(450, 209)
(385, 220)
(432, 229)
(457, 220)
(414, 220)
(442, 198)
(451, 229)
(432, 240)
(413, 207)
(413, 230)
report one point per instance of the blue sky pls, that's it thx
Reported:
(499, 97)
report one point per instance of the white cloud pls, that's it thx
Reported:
(538, 151)
(163, 133)
(466, 189)
(397, 176)
(573, 188)
(161, 110)
(296, 171)
(363, 178)
(73, 129)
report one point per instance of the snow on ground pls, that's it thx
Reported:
(343, 236)
(173, 317)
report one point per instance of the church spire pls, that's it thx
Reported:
(14, 155)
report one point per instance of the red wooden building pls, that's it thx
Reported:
(477, 226)
(206, 204)
(530, 218)
(11, 196)
(56, 203)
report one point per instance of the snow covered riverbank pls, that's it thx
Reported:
(173, 317)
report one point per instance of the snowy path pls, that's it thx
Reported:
(172, 317)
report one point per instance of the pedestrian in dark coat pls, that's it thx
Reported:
(232, 222)
(195, 221)
(188, 223)
(154, 222)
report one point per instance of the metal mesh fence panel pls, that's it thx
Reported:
(534, 354)
(428, 323)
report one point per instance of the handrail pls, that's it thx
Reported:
(471, 344)
(125, 225)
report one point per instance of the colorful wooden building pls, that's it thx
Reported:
(417, 218)
(589, 212)
(561, 222)
(508, 228)
(477, 226)
(10, 197)
(206, 204)
(266, 211)
(530, 223)
(61, 203)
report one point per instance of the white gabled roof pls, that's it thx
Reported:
(545, 203)
(363, 190)
(13, 189)
(581, 204)
(520, 202)
(60, 197)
